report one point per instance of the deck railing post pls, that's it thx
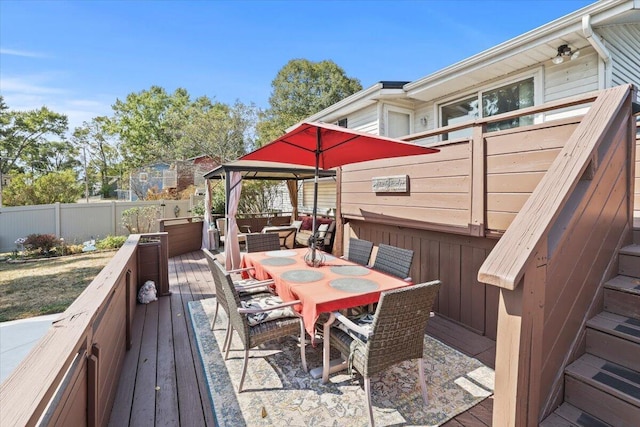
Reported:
(478, 182)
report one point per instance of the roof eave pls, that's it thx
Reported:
(600, 11)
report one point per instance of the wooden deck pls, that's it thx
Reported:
(163, 382)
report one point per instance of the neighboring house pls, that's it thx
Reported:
(174, 177)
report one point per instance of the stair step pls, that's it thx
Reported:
(615, 338)
(604, 389)
(629, 261)
(568, 415)
(622, 296)
(624, 284)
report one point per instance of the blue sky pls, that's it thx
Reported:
(78, 57)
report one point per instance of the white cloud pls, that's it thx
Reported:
(23, 53)
(35, 91)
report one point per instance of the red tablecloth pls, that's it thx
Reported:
(338, 284)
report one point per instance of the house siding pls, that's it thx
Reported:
(365, 120)
(572, 77)
(623, 42)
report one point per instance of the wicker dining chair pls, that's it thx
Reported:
(247, 289)
(395, 335)
(359, 251)
(261, 242)
(286, 323)
(393, 260)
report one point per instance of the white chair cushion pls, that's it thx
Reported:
(262, 303)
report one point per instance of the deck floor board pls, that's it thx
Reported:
(164, 354)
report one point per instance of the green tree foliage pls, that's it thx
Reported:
(101, 149)
(144, 122)
(22, 133)
(50, 188)
(218, 130)
(302, 88)
(52, 156)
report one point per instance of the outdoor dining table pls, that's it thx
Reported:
(337, 285)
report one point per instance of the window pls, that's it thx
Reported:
(506, 98)
(169, 179)
(342, 123)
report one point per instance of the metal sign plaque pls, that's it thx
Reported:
(390, 184)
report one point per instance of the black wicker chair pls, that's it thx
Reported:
(396, 334)
(261, 242)
(359, 251)
(394, 261)
(268, 330)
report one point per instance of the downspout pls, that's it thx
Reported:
(600, 48)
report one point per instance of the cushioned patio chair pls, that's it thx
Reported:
(395, 334)
(394, 261)
(287, 235)
(247, 289)
(261, 242)
(260, 320)
(359, 251)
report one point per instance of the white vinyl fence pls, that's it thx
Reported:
(77, 222)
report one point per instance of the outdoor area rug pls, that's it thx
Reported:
(278, 392)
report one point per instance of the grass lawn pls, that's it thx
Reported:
(46, 286)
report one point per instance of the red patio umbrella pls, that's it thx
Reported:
(326, 146)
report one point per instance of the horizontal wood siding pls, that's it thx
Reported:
(623, 42)
(582, 257)
(439, 189)
(516, 161)
(185, 235)
(572, 77)
(453, 259)
(365, 120)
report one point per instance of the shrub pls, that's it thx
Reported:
(42, 243)
(139, 220)
(111, 242)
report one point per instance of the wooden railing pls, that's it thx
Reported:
(551, 261)
(473, 186)
(185, 234)
(70, 376)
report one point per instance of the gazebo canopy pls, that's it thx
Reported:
(252, 169)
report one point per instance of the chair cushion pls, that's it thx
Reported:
(364, 320)
(297, 225)
(262, 303)
(322, 230)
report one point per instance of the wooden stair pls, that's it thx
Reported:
(602, 387)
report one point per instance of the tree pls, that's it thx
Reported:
(302, 88)
(103, 156)
(218, 130)
(54, 187)
(21, 133)
(143, 122)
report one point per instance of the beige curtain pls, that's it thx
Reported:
(206, 244)
(231, 243)
(292, 186)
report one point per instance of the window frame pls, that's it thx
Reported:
(396, 109)
(538, 94)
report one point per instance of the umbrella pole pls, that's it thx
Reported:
(315, 196)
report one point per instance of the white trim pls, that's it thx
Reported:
(602, 10)
(386, 108)
(538, 92)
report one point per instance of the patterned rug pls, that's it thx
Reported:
(278, 392)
